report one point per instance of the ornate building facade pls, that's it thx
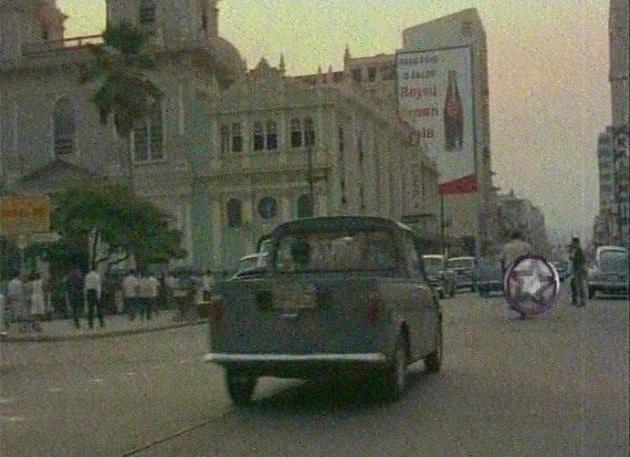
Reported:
(227, 153)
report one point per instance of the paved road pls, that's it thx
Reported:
(551, 386)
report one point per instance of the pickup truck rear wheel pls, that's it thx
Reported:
(394, 379)
(240, 387)
(433, 362)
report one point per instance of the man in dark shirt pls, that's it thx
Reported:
(75, 294)
(578, 282)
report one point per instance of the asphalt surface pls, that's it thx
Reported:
(556, 385)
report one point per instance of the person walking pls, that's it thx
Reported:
(578, 281)
(144, 296)
(154, 293)
(170, 284)
(74, 295)
(93, 297)
(37, 302)
(130, 291)
(16, 302)
(207, 283)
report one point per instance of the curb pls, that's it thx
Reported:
(88, 336)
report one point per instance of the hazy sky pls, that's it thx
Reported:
(548, 63)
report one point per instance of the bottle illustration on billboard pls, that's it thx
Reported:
(453, 115)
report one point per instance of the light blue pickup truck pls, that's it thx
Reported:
(339, 296)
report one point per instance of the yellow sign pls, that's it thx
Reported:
(24, 215)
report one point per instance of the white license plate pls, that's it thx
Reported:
(294, 296)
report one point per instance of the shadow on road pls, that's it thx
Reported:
(322, 397)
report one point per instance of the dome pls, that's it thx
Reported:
(227, 58)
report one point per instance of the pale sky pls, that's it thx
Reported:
(548, 66)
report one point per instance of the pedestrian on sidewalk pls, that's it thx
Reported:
(207, 283)
(74, 295)
(37, 302)
(578, 281)
(144, 295)
(130, 291)
(170, 284)
(154, 293)
(93, 297)
(16, 302)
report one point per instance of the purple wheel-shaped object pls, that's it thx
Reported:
(531, 285)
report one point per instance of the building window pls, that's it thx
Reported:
(304, 206)
(388, 72)
(341, 139)
(64, 127)
(309, 132)
(259, 137)
(234, 213)
(148, 136)
(204, 16)
(147, 12)
(237, 138)
(372, 74)
(44, 32)
(361, 146)
(224, 132)
(272, 135)
(356, 75)
(296, 133)
(267, 208)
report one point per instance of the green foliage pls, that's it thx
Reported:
(119, 68)
(126, 223)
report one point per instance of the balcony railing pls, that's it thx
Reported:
(67, 44)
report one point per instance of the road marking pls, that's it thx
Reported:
(131, 373)
(55, 389)
(96, 381)
(6, 401)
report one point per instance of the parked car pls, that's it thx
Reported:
(464, 268)
(562, 267)
(609, 274)
(489, 276)
(440, 276)
(342, 296)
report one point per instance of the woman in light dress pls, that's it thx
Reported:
(38, 301)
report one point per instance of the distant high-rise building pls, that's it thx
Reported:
(618, 31)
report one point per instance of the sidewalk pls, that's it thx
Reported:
(118, 325)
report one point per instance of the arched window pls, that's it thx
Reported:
(237, 138)
(224, 132)
(259, 137)
(296, 133)
(272, 135)
(64, 126)
(147, 12)
(304, 206)
(148, 136)
(309, 132)
(234, 213)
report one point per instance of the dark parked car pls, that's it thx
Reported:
(442, 278)
(341, 296)
(465, 272)
(489, 276)
(609, 275)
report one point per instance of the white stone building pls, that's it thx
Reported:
(220, 153)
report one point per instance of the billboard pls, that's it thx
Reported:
(435, 96)
(20, 216)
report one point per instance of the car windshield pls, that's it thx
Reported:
(460, 263)
(324, 252)
(614, 260)
(432, 264)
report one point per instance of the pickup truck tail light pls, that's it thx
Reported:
(375, 306)
(217, 307)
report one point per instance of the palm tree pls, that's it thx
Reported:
(124, 91)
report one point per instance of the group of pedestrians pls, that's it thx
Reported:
(26, 301)
(141, 292)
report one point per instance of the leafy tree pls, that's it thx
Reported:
(127, 224)
(124, 91)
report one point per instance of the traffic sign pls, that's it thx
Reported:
(24, 215)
